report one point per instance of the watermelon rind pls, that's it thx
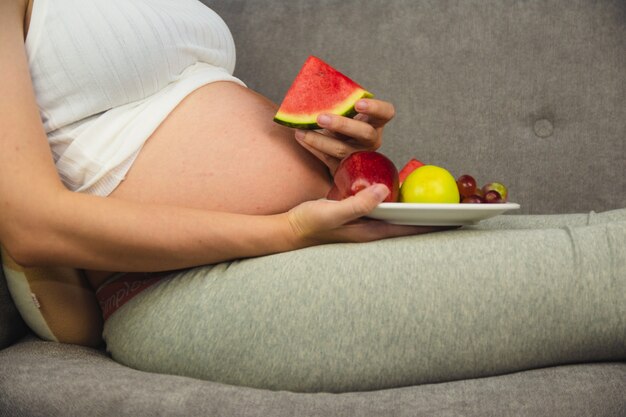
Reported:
(309, 121)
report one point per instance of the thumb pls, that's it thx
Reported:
(361, 203)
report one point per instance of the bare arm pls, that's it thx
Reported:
(43, 223)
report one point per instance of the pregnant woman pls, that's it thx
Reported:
(127, 146)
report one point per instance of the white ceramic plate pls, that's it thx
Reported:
(438, 214)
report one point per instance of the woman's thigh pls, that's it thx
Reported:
(548, 221)
(220, 150)
(414, 310)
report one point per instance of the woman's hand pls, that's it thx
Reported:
(342, 136)
(323, 221)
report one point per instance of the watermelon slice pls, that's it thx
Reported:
(318, 88)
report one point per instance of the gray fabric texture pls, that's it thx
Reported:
(529, 93)
(11, 324)
(406, 311)
(43, 379)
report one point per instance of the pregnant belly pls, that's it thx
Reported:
(220, 150)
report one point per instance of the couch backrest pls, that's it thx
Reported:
(530, 93)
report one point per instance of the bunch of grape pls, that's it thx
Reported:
(494, 192)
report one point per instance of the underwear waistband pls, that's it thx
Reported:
(122, 287)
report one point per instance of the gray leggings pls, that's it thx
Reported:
(512, 293)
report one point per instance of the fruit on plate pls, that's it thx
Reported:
(318, 88)
(491, 193)
(493, 197)
(467, 185)
(409, 167)
(498, 187)
(361, 169)
(430, 184)
(472, 199)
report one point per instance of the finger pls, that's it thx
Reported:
(330, 161)
(359, 204)
(362, 117)
(363, 133)
(328, 145)
(379, 112)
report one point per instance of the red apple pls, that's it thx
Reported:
(362, 169)
(410, 166)
(335, 194)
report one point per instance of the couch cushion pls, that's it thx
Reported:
(45, 378)
(11, 324)
(527, 93)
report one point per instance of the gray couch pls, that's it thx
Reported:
(529, 92)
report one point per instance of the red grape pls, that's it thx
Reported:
(493, 196)
(472, 199)
(466, 185)
(496, 186)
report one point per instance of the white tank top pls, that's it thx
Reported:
(106, 73)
